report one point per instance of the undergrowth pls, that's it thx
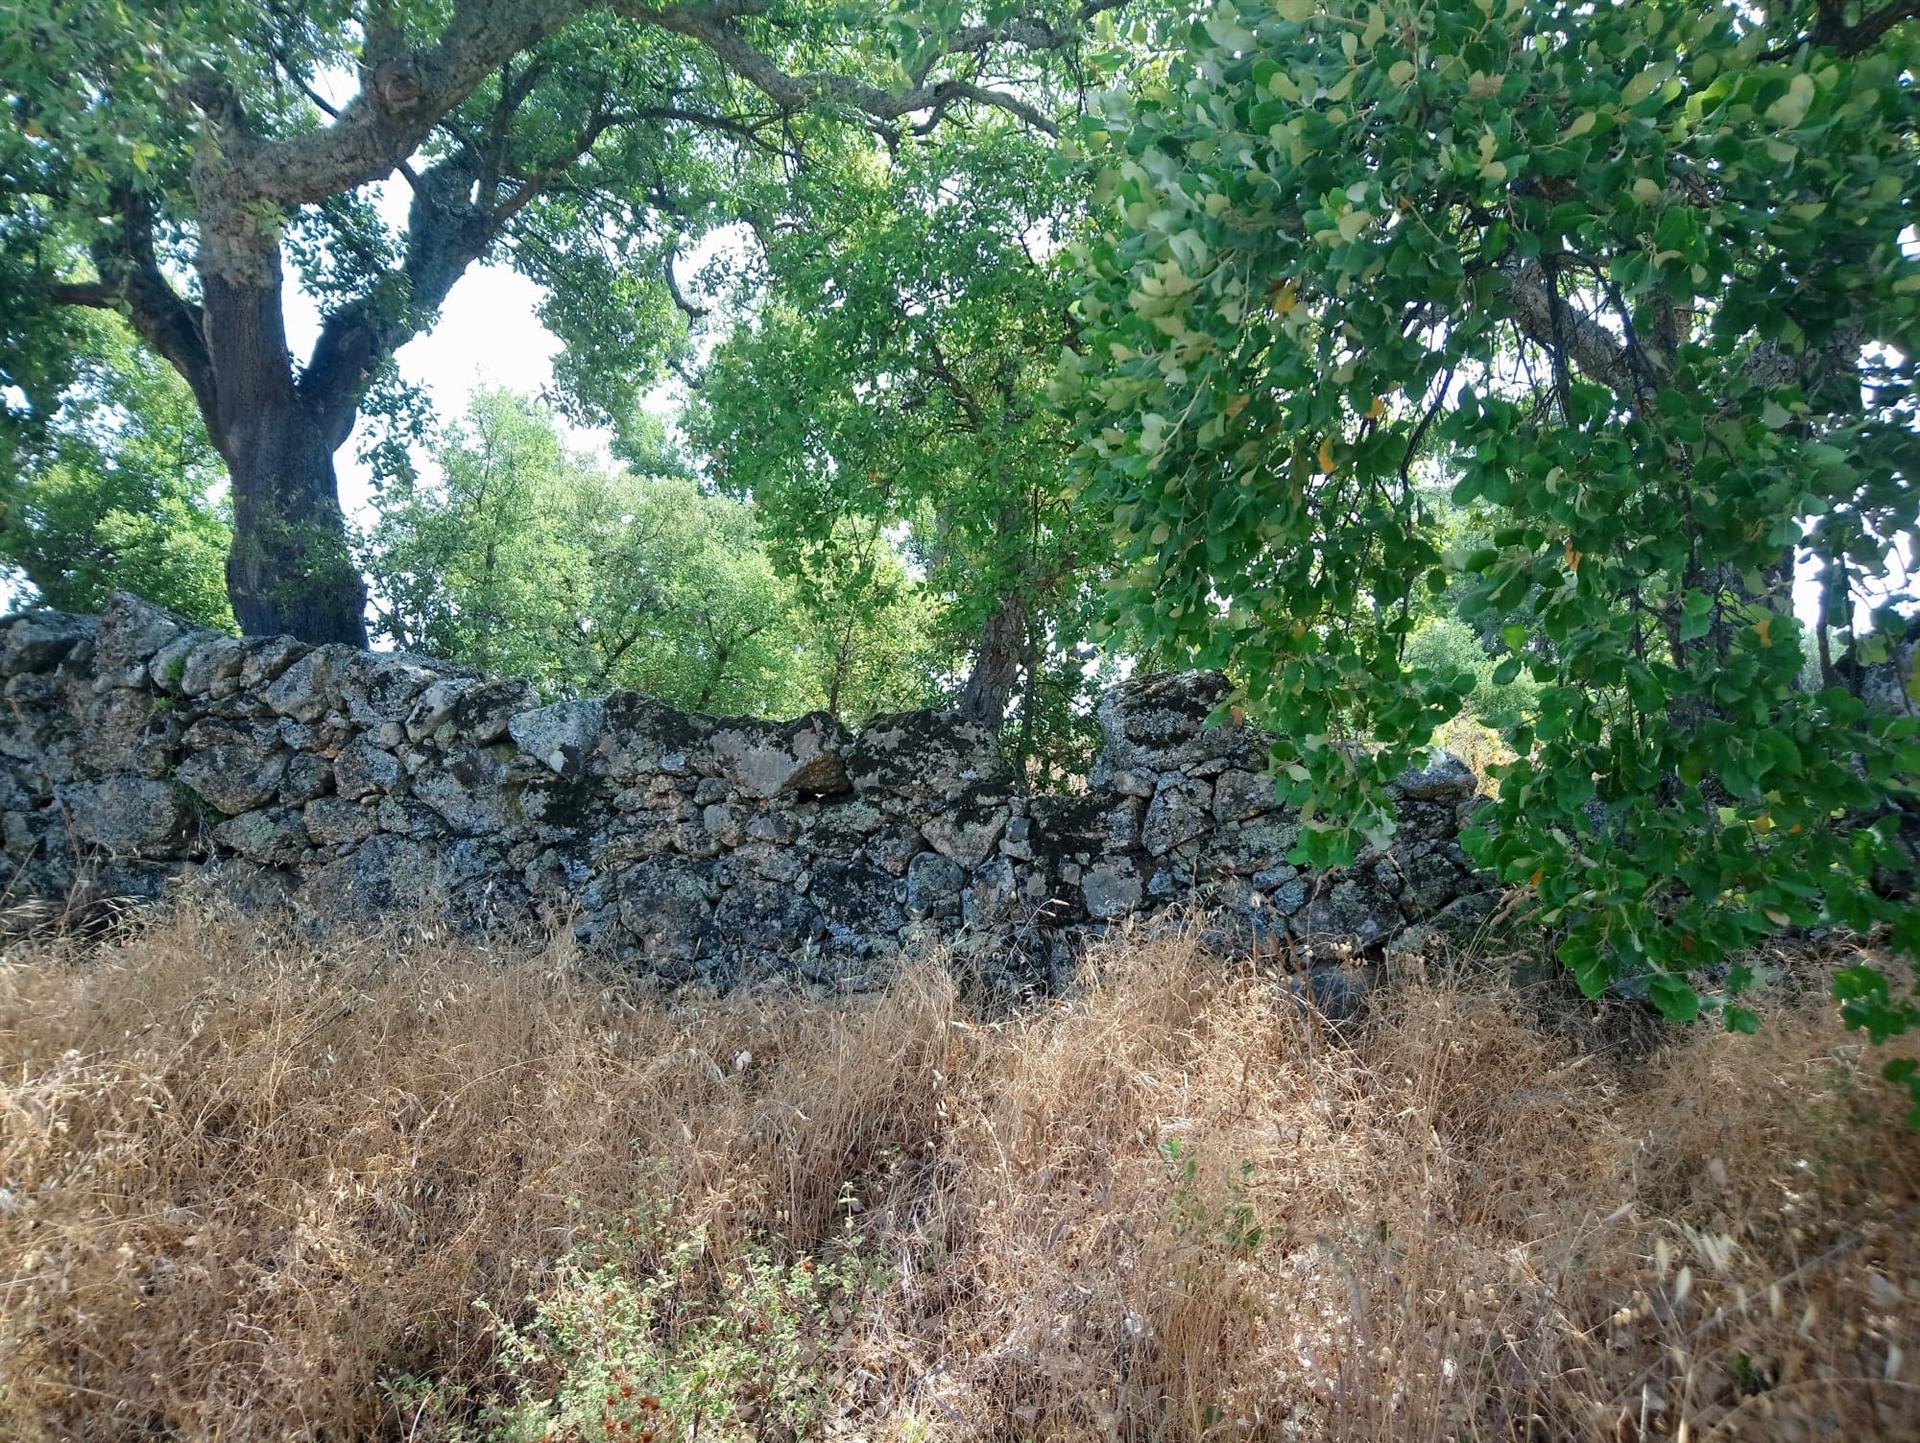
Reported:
(259, 1188)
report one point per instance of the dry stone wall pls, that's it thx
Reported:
(136, 748)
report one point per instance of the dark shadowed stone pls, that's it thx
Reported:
(1338, 993)
(1442, 778)
(757, 914)
(560, 736)
(1084, 825)
(1181, 811)
(856, 899)
(668, 909)
(1159, 723)
(764, 760)
(40, 640)
(1431, 881)
(924, 754)
(129, 815)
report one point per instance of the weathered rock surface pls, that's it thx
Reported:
(136, 747)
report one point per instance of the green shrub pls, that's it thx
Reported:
(1447, 644)
(647, 1334)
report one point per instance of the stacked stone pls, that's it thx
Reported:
(725, 850)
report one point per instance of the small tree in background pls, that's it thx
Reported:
(120, 488)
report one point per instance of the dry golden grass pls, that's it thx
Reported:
(248, 1178)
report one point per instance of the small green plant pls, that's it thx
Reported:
(1229, 1223)
(645, 1334)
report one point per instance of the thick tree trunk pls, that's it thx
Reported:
(291, 571)
(996, 663)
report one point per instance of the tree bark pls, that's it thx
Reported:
(291, 571)
(996, 663)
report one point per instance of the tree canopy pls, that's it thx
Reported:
(888, 378)
(1638, 281)
(171, 163)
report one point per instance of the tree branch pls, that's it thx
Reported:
(1591, 346)
(130, 275)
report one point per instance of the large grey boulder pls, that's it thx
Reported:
(1161, 723)
(129, 815)
(925, 754)
(764, 760)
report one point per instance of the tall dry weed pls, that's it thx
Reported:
(250, 1181)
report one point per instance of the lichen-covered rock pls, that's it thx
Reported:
(1159, 723)
(722, 850)
(966, 832)
(234, 767)
(989, 896)
(40, 640)
(276, 836)
(363, 769)
(468, 708)
(763, 760)
(129, 815)
(561, 736)
(464, 788)
(1442, 778)
(1351, 908)
(1112, 889)
(130, 632)
(668, 911)
(859, 902)
(933, 885)
(1181, 811)
(925, 754)
(334, 822)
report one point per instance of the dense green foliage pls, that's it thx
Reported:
(117, 486)
(888, 378)
(523, 560)
(1633, 279)
(179, 164)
